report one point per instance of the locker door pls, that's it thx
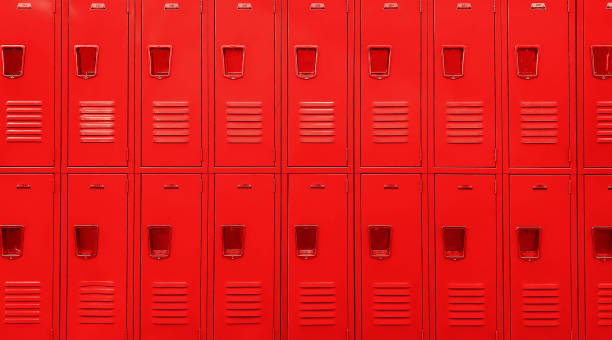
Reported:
(391, 253)
(97, 257)
(244, 77)
(318, 259)
(597, 109)
(244, 254)
(540, 257)
(27, 247)
(464, 84)
(27, 100)
(465, 241)
(598, 238)
(317, 80)
(98, 83)
(171, 236)
(171, 83)
(538, 58)
(391, 82)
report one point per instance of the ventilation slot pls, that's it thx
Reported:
(452, 62)
(170, 303)
(22, 302)
(602, 61)
(527, 61)
(97, 122)
(391, 122)
(541, 305)
(306, 61)
(602, 243)
(244, 122)
(466, 304)
(12, 241)
(233, 61)
(24, 121)
(464, 122)
(170, 122)
(317, 122)
(317, 304)
(159, 61)
(392, 304)
(12, 61)
(604, 304)
(604, 122)
(86, 61)
(243, 303)
(97, 302)
(380, 61)
(539, 123)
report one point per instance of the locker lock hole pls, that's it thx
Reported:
(233, 241)
(233, 61)
(160, 237)
(527, 59)
(306, 241)
(602, 243)
(306, 61)
(159, 61)
(454, 242)
(86, 241)
(529, 239)
(380, 61)
(452, 61)
(602, 61)
(86, 61)
(12, 61)
(12, 241)
(380, 241)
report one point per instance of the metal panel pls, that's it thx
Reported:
(244, 254)
(171, 83)
(244, 78)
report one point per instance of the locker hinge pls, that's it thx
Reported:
(54, 5)
(274, 183)
(420, 155)
(126, 334)
(495, 155)
(274, 6)
(347, 6)
(422, 334)
(421, 184)
(495, 186)
(569, 186)
(420, 6)
(347, 334)
(346, 155)
(201, 11)
(274, 156)
(51, 334)
(496, 334)
(494, 7)
(569, 10)
(346, 187)
(199, 333)
(569, 156)
(127, 2)
(53, 183)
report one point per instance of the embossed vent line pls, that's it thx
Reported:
(244, 122)
(243, 303)
(464, 122)
(171, 122)
(97, 122)
(604, 122)
(317, 122)
(390, 122)
(22, 302)
(24, 121)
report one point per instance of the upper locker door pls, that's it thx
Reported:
(27, 248)
(538, 83)
(391, 257)
(171, 236)
(318, 257)
(97, 257)
(391, 83)
(245, 252)
(464, 84)
(466, 257)
(27, 84)
(540, 258)
(598, 256)
(244, 83)
(597, 105)
(171, 83)
(98, 83)
(318, 83)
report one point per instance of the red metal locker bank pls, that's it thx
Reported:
(245, 112)
(171, 83)
(96, 256)
(540, 257)
(27, 85)
(391, 83)
(171, 239)
(245, 255)
(317, 83)
(597, 256)
(97, 83)
(27, 243)
(466, 257)
(391, 257)
(318, 259)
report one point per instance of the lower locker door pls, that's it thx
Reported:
(244, 254)
(97, 257)
(26, 264)
(540, 257)
(171, 241)
(318, 257)
(465, 255)
(391, 257)
(598, 257)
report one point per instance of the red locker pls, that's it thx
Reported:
(466, 257)
(391, 83)
(464, 84)
(318, 83)
(26, 266)
(391, 255)
(171, 238)
(97, 83)
(27, 85)
(318, 257)
(97, 257)
(171, 83)
(244, 77)
(598, 253)
(597, 82)
(539, 69)
(540, 258)
(245, 254)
